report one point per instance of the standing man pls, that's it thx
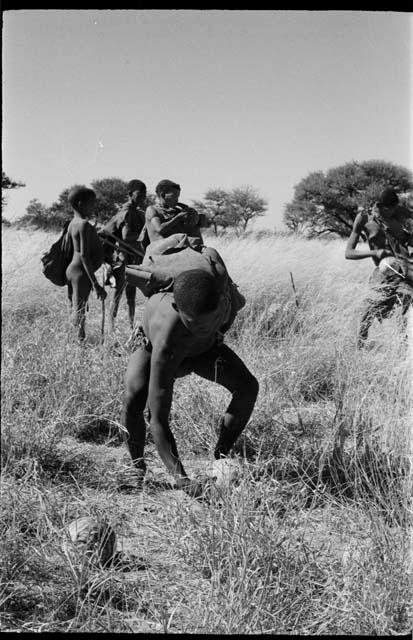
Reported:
(385, 227)
(168, 216)
(126, 225)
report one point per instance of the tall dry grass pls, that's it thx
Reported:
(315, 537)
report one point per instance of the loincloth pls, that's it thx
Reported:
(387, 289)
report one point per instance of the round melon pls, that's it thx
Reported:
(93, 539)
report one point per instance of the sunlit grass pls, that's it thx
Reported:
(315, 537)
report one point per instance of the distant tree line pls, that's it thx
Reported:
(327, 203)
(323, 204)
(222, 209)
(6, 184)
(111, 193)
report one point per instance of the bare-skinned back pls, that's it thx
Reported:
(87, 256)
(172, 351)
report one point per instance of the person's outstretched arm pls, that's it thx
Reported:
(352, 253)
(160, 393)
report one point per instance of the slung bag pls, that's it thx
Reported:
(56, 260)
(162, 265)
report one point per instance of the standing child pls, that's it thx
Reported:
(87, 255)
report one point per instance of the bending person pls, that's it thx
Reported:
(181, 332)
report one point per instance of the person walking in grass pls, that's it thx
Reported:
(182, 333)
(167, 216)
(87, 256)
(125, 225)
(389, 235)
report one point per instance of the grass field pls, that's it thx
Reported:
(314, 538)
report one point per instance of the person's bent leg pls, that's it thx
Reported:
(374, 309)
(367, 317)
(81, 288)
(406, 302)
(130, 292)
(70, 293)
(136, 393)
(223, 366)
(120, 283)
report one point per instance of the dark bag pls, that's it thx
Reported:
(57, 258)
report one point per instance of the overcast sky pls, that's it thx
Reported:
(219, 98)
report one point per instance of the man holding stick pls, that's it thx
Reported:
(124, 228)
(390, 244)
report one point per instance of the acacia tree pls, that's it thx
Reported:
(111, 193)
(234, 208)
(215, 208)
(328, 203)
(37, 215)
(7, 183)
(246, 205)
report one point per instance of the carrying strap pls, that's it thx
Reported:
(398, 246)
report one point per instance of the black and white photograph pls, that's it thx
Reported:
(207, 322)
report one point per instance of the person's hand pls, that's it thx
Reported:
(203, 220)
(100, 291)
(108, 271)
(382, 253)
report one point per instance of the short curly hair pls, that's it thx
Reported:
(165, 185)
(196, 292)
(388, 198)
(136, 185)
(79, 195)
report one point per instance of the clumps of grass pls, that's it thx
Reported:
(274, 316)
(313, 539)
(48, 455)
(26, 451)
(43, 587)
(76, 389)
(332, 466)
(276, 564)
(34, 579)
(380, 478)
(99, 430)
